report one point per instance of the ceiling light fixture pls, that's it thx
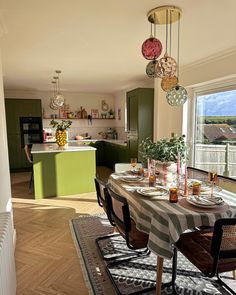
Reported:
(58, 99)
(166, 68)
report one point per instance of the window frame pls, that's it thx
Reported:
(190, 112)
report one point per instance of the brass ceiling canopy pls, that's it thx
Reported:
(157, 15)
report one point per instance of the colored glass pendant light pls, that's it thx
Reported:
(151, 69)
(168, 82)
(151, 48)
(166, 66)
(177, 96)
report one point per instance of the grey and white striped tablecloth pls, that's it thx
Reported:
(165, 221)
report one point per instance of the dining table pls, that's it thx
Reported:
(164, 221)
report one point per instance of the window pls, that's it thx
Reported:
(215, 132)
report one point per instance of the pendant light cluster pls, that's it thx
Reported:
(58, 99)
(166, 68)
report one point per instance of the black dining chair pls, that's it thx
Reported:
(102, 200)
(126, 226)
(212, 251)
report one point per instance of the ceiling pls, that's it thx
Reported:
(97, 44)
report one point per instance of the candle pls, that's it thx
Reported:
(178, 171)
(185, 181)
(148, 160)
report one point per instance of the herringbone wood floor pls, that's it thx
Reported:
(46, 259)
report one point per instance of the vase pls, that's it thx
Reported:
(167, 172)
(61, 137)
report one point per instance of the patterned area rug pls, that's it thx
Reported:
(136, 274)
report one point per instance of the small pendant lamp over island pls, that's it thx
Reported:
(166, 68)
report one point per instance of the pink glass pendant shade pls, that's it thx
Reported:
(166, 66)
(151, 48)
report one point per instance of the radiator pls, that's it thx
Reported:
(7, 259)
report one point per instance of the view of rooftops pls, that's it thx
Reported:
(216, 118)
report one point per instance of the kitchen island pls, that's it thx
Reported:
(63, 171)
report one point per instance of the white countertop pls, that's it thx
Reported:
(54, 148)
(85, 141)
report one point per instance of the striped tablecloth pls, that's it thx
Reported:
(165, 221)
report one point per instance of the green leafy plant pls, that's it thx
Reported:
(164, 150)
(63, 125)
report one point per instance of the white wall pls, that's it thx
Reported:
(5, 187)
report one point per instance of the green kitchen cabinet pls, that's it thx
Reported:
(140, 114)
(115, 153)
(99, 145)
(16, 108)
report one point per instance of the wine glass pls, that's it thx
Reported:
(212, 178)
(133, 162)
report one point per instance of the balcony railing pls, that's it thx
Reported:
(219, 158)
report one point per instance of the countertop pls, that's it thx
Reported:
(53, 148)
(85, 141)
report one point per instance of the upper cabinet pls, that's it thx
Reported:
(140, 110)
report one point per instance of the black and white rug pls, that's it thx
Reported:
(134, 275)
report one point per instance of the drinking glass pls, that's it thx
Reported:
(212, 178)
(133, 162)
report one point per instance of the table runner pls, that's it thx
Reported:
(162, 220)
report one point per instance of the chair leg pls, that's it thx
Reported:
(219, 280)
(174, 271)
(114, 283)
(105, 238)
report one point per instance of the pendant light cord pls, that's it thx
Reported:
(170, 30)
(178, 46)
(151, 31)
(166, 29)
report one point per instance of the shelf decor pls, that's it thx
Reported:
(165, 68)
(61, 131)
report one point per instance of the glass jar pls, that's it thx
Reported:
(173, 195)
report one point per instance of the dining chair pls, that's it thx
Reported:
(126, 226)
(227, 183)
(212, 251)
(102, 200)
(29, 157)
(123, 167)
(195, 173)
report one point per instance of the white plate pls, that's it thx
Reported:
(131, 178)
(204, 202)
(152, 191)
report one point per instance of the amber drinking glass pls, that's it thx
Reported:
(173, 195)
(196, 188)
(133, 162)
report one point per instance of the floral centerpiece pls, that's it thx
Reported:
(166, 153)
(61, 128)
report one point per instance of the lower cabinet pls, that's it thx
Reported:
(107, 154)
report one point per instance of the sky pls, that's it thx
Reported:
(217, 104)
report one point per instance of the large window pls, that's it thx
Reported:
(215, 132)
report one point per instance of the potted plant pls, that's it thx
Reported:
(166, 153)
(61, 128)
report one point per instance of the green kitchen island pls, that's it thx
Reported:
(63, 171)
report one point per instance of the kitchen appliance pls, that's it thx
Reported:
(31, 129)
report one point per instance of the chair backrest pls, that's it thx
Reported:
(126, 226)
(227, 183)
(196, 173)
(123, 167)
(119, 212)
(223, 245)
(102, 198)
